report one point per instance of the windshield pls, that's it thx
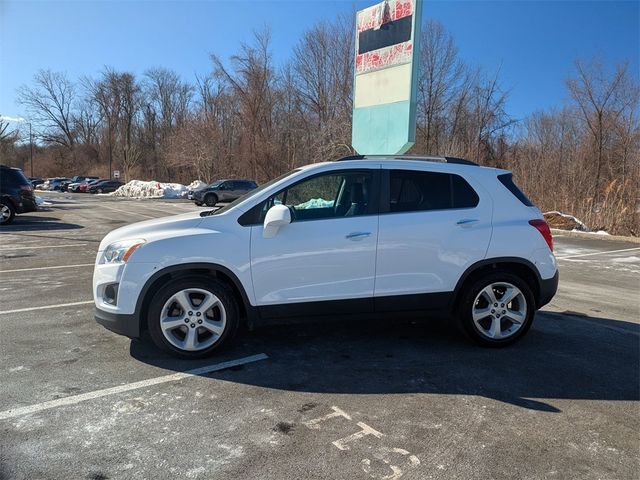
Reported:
(248, 195)
(215, 184)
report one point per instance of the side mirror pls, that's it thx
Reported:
(276, 217)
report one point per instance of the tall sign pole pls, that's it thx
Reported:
(386, 77)
(30, 150)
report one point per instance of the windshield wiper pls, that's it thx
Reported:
(209, 212)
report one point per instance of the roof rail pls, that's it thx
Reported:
(425, 158)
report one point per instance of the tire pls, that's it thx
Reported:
(210, 199)
(198, 204)
(192, 339)
(7, 212)
(486, 319)
(99, 190)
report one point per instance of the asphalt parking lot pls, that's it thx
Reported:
(347, 400)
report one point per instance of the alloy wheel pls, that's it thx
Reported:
(5, 214)
(499, 310)
(193, 319)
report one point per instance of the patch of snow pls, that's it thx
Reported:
(197, 185)
(599, 232)
(581, 226)
(152, 189)
(42, 202)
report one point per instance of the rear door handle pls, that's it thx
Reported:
(467, 222)
(357, 235)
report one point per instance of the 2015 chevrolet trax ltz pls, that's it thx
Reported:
(358, 235)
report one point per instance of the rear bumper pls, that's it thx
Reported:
(122, 324)
(548, 289)
(26, 205)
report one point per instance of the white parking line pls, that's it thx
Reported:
(68, 245)
(597, 253)
(74, 399)
(46, 268)
(46, 307)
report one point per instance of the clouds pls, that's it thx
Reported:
(7, 118)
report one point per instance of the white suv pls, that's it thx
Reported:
(372, 235)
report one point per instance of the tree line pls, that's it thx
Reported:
(251, 118)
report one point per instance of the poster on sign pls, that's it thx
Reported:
(385, 77)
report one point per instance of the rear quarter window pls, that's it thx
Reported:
(507, 180)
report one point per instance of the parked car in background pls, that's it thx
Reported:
(222, 191)
(16, 194)
(35, 181)
(54, 184)
(84, 186)
(75, 180)
(104, 186)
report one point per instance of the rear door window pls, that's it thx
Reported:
(411, 190)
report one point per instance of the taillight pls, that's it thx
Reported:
(26, 188)
(544, 230)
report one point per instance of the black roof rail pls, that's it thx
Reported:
(460, 161)
(425, 158)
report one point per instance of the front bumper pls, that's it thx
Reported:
(548, 289)
(123, 324)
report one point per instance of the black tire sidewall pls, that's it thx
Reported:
(466, 306)
(218, 288)
(210, 196)
(12, 211)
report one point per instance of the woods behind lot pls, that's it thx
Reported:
(252, 118)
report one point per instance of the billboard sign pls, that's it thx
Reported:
(386, 72)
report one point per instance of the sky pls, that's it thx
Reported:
(533, 43)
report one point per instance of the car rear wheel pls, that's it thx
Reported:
(497, 309)
(7, 212)
(210, 200)
(193, 317)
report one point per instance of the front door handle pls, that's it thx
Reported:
(357, 235)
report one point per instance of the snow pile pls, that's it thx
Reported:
(564, 221)
(152, 189)
(196, 185)
(42, 202)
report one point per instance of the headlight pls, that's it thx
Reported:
(119, 252)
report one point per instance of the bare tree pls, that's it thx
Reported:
(602, 100)
(441, 74)
(253, 80)
(50, 104)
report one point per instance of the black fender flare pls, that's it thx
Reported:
(199, 267)
(496, 261)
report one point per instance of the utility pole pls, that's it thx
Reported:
(31, 149)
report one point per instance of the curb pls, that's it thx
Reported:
(593, 236)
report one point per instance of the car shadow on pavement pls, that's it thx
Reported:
(562, 357)
(37, 222)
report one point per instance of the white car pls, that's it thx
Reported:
(359, 235)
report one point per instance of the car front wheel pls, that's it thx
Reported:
(497, 309)
(210, 200)
(7, 212)
(193, 317)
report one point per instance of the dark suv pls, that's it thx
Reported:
(223, 191)
(16, 194)
(104, 186)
